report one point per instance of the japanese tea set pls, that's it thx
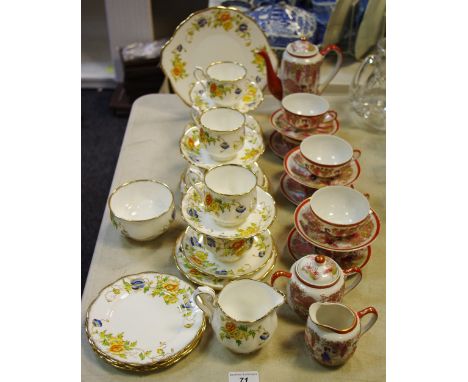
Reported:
(227, 246)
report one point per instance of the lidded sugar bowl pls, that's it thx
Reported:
(316, 278)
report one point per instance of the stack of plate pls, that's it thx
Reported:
(144, 322)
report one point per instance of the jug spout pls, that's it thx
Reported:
(274, 82)
(333, 316)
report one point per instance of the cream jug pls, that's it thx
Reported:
(243, 315)
(333, 331)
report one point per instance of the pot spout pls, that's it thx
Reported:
(274, 83)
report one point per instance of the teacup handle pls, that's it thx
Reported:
(194, 172)
(330, 116)
(372, 320)
(279, 274)
(199, 74)
(355, 281)
(356, 154)
(206, 305)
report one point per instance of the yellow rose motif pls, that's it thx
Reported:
(170, 299)
(116, 347)
(171, 285)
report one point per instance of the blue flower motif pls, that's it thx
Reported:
(179, 48)
(202, 22)
(325, 357)
(261, 254)
(264, 336)
(192, 212)
(238, 91)
(210, 241)
(241, 209)
(225, 145)
(222, 272)
(137, 284)
(186, 306)
(97, 323)
(243, 27)
(194, 241)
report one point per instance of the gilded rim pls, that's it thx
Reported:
(245, 275)
(225, 165)
(195, 281)
(136, 181)
(208, 167)
(275, 59)
(234, 237)
(225, 62)
(223, 107)
(340, 331)
(261, 98)
(135, 366)
(258, 319)
(367, 243)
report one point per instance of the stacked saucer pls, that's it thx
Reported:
(319, 161)
(315, 118)
(228, 237)
(338, 222)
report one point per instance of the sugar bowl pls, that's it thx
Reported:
(316, 278)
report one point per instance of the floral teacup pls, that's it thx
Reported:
(222, 130)
(227, 250)
(229, 193)
(223, 81)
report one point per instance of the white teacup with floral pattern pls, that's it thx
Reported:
(223, 81)
(229, 193)
(222, 131)
(227, 250)
(243, 315)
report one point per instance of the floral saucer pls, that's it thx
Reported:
(144, 321)
(199, 278)
(192, 147)
(311, 229)
(279, 145)
(294, 191)
(205, 261)
(294, 165)
(193, 211)
(251, 97)
(282, 126)
(299, 247)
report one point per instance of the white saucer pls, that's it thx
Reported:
(251, 97)
(194, 151)
(193, 211)
(204, 260)
(294, 165)
(199, 278)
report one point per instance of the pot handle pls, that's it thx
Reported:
(355, 281)
(279, 274)
(207, 304)
(372, 320)
(332, 74)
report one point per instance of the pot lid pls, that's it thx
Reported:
(317, 271)
(302, 48)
